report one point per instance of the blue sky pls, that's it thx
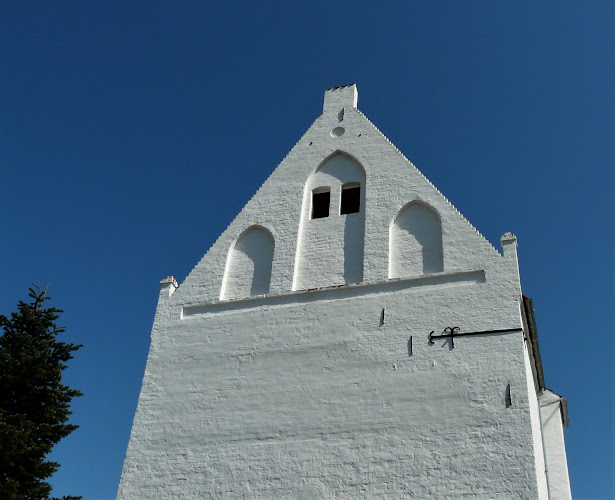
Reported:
(117, 120)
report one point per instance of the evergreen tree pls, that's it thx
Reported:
(34, 404)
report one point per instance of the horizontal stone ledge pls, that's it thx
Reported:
(339, 292)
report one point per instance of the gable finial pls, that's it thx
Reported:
(337, 98)
(168, 284)
(509, 245)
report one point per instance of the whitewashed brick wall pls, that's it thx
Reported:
(308, 394)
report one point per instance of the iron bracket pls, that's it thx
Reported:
(454, 332)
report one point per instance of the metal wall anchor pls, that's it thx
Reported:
(454, 332)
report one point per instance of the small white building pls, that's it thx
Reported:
(350, 335)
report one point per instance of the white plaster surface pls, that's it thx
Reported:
(330, 249)
(553, 428)
(306, 394)
(416, 242)
(248, 268)
(536, 425)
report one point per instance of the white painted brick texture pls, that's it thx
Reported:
(308, 395)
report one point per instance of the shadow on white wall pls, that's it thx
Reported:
(330, 247)
(415, 242)
(248, 267)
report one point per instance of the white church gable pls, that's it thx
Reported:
(350, 335)
(403, 226)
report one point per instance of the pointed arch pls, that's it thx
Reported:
(415, 241)
(330, 247)
(248, 266)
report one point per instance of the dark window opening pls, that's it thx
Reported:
(351, 200)
(320, 204)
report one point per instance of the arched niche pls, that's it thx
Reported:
(330, 242)
(248, 266)
(415, 242)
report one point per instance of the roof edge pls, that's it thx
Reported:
(562, 402)
(430, 183)
(534, 350)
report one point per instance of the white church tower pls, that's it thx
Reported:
(350, 335)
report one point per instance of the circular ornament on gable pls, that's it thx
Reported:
(337, 132)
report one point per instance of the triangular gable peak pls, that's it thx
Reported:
(344, 208)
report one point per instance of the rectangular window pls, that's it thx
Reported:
(320, 204)
(351, 200)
